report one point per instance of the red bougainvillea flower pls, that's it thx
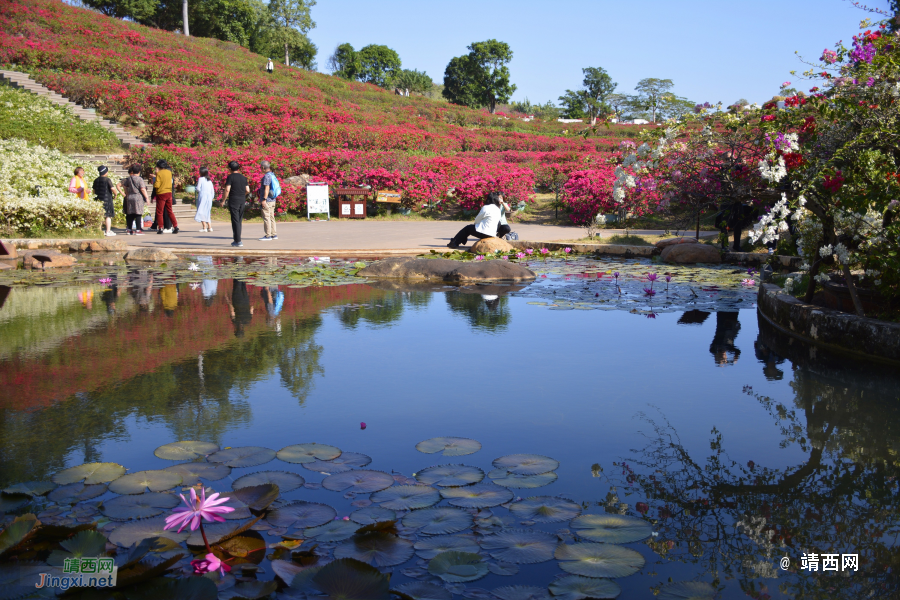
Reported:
(833, 183)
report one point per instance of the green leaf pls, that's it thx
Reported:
(520, 546)
(31, 488)
(90, 473)
(612, 529)
(687, 590)
(358, 481)
(285, 481)
(458, 567)
(246, 456)
(575, 587)
(83, 543)
(450, 475)
(345, 462)
(348, 579)
(307, 453)
(521, 592)
(545, 509)
(598, 560)
(128, 534)
(137, 483)
(193, 588)
(301, 514)
(481, 495)
(11, 502)
(372, 514)
(449, 446)
(526, 464)
(257, 497)
(378, 550)
(420, 590)
(246, 547)
(436, 521)
(76, 492)
(251, 590)
(335, 531)
(141, 506)
(407, 497)
(430, 547)
(17, 532)
(192, 472)
(185, 450)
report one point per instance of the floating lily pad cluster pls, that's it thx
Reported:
(445, 527)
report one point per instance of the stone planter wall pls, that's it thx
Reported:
(837, 331)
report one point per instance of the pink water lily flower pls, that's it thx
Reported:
(649, 292)
(567, 250)
(529, 251)
(544, 251)
(479, 257)
(209, 564)
(748, 282)
(520, 255)
(106, 280)
(197, 508)
(652, 277)
(505, 258)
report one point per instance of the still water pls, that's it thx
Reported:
(739, 445)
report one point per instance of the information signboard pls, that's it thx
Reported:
(317, 199)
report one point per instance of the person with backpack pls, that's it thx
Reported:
(269, 190)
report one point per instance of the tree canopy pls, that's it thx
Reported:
(480, 78)
(590, 100)
(411, 80)
(344, 62)
(377, 64)
(291, 20)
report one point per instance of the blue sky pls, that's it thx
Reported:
(713, 51)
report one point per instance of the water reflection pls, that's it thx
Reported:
(737, 520)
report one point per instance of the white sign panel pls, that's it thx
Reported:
(316, 199)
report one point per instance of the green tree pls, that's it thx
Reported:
(481, 78)
(410, 80)
(291, 21)
(590, 100)
(547, 111)
(572, 104)
(650, 94)
(377, 64)
(344, 62)
(618, 103)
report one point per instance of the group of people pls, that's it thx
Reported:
(489, 222)
(135, 198)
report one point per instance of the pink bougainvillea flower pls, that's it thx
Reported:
(197, 509)
(209, 564)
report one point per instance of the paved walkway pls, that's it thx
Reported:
(338, 235)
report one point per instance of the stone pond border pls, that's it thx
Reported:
(842, 332)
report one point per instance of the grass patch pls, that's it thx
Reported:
(36, 120)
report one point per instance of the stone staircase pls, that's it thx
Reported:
(24, 82)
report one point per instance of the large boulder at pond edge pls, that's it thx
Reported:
(98, 246)
(51, 259)
(442, 269)
(675, 240)
(8, 250)
(150, 255)
(490, 246)
(691, 253)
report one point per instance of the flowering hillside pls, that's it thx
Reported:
(205, 101)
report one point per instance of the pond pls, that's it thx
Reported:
(675, 444)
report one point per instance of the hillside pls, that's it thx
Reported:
(205, 101)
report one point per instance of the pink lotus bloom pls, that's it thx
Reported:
(520, 255)
(479, 257)
(668, 278)
(505, 258)
(209, 564)
(652, 277)
(567, 250)
(544, 251)
(106, 280)
(529, 251)
(206, 508)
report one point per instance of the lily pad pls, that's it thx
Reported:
(345, 462)
(526, 464)
(372, 514)
(244, 456)
(407, 497)
(378, 550)
(16, 532)
(598, 560)
(335, 531)
(449, 446)
(358, 481)
(438, 521)
(504, 569)
(11, 502)
(450, 475)
(348, 579)
(249, 590)
(192, 472)
(511, 480)
(431, 547)
(140, 506)
(31, 488)
(307, 453)
(301, 514)
(129, 534)
(482, 495)
(285, 480)
(612, 529)
(458, 567)
(76, 492)
(187, 450)
(575, 587)
(90, 473)
(137, 483)
(521, 546)
(257, 497)
(420, 590)
(545, 509)
(521, 592)
(17, 580)
(687, 590)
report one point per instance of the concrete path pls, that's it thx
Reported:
(341, 235)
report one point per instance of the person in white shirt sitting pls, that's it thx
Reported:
(485, 226)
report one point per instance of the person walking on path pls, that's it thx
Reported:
(104, 190)
(237, 188)
(135, 197)
(205, 193)
(485, 225)
(268, 193)
(77, 185)
(163, 188)
(270, 66)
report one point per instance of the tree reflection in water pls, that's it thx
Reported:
(736, 520)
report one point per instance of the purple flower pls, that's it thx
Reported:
(567, 250)
(668, 278)
(362, 425)
(652, 277)
(520, 255)
(106, 280)
(505, 258)
(863, 53)
(649, 291)
(205, 508)
(870, 82)
(209, 564)
(616, 274)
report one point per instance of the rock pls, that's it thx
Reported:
(8, 251)
(443, 269)
(47, 259)
(151, 255)
(691, 253)
(98, 246)
(490, 246)
(6, 265)
(298, 180)
(676, 240)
